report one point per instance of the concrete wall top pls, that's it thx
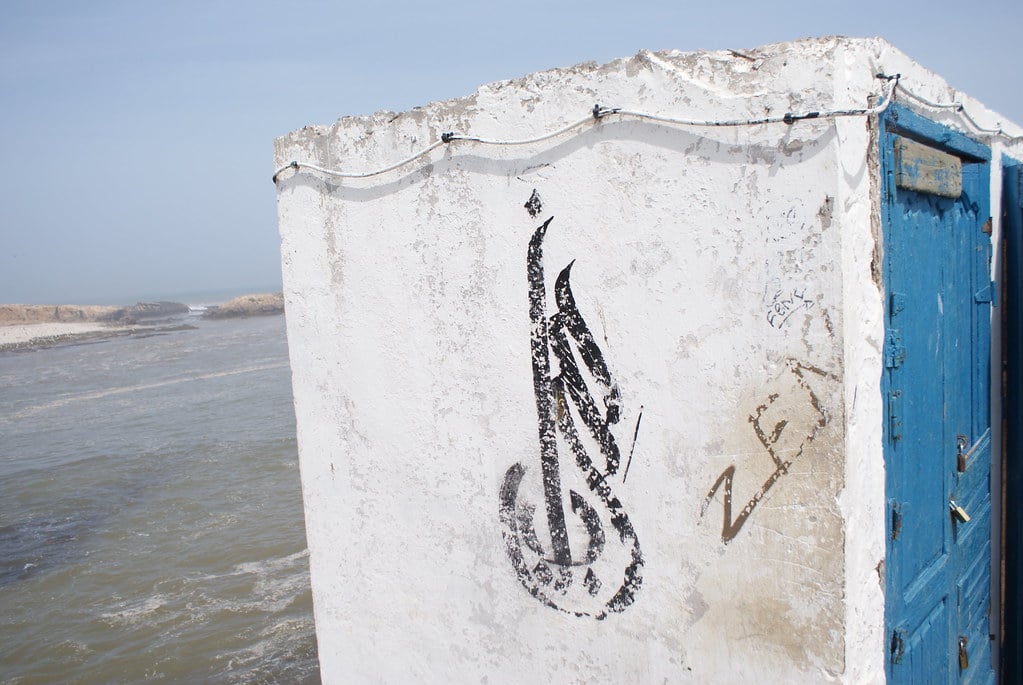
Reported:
(603, 407)
(746, 78)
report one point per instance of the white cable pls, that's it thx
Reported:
(961, 109)
(957, 106)
(526, 141)
(342, 174)
(788, 118)
(445, 139)
(598, 114)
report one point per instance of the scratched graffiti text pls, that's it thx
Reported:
(784, 304)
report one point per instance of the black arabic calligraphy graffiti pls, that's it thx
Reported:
(604, 577)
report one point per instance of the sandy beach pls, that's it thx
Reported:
(37, 334)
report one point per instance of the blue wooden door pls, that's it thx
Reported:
(937, 250)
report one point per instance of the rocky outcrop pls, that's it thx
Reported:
(150, 310)
(68, 313)
(248, 305)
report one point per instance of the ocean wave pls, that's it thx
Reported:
(273, 564)
(65, 400)
(132, 612)
(282, 652)
(277, 585)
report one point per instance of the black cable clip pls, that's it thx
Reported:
(447, 137)
(791, 118)
(293, 165)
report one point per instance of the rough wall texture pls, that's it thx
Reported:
(584, 410)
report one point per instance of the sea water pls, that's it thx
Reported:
(151, 523)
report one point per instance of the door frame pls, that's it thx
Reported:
(1012, 418)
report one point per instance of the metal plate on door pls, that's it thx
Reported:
(927, 170)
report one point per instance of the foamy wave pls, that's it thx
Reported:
(263, 567)
(282, 652)
(133, 612)
(100, 394)
(278, 583)
(271, 565)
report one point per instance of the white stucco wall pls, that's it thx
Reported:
(727, 279)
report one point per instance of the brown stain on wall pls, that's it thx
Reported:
(783, 443)
(779, 581)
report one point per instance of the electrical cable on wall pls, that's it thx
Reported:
(598, 113)
(961, 109)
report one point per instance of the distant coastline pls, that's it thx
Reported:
(11, 314)
(31, 326)
(262, 304)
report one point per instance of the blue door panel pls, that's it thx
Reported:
(973, 590)
(936, 385)
(926, 655)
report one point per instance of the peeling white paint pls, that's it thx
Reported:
(728, 277)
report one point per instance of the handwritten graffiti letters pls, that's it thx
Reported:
(784, 423)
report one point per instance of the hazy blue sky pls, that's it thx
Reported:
(138, 135)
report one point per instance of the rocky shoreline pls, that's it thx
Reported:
(26, 327)
(11, 314)
(263, 304)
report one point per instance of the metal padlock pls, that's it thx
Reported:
(964, 658)
(958, 511)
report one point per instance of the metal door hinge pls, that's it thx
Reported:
(895, 352)
(896, 521)
(896, 303)
(988, 293)
(986, 228)
(897, 648)
(895, 415)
